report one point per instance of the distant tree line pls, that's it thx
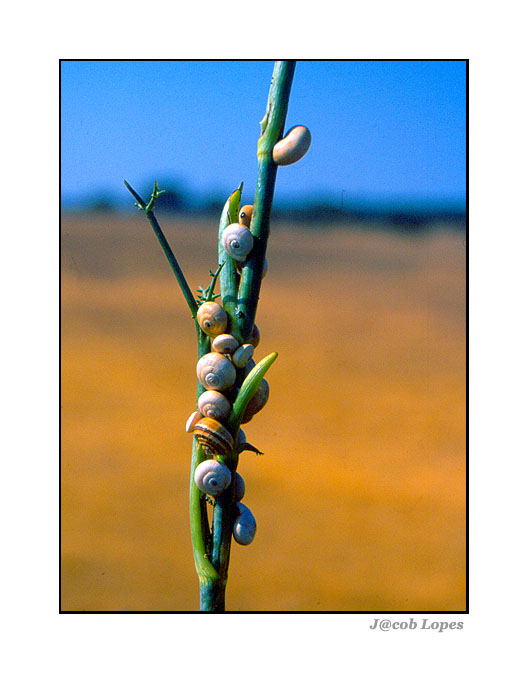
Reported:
(177, 201)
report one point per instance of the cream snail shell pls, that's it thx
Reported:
(215, 371)
(239, 488)
(245, 526)
(293, 146)
(242, 355)
(212, 477)
(225, 343)
(213, 437)
(215, 405)
(237, 241)
(212, 318)
(245, 215)
(192, 421)
(257, 402)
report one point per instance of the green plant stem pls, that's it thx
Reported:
(209, 579)
(182, 281)
(272, 128)
(240, 299)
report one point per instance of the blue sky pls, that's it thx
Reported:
(382, 131)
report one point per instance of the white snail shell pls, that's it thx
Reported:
(215, 372)
(257, 402)
(213, 437)
(192, 421)
(225, 343)
(241, 438)
(245, 526)
(239, 488)
(212, 318)
(215, 405)
(245, 215)
(293, 146)
(242, 355)
(237, 241)
(212, 477)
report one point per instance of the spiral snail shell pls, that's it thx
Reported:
(245, 525)
(212, 477)
(225, 343)
(213, 437)
(212, 318)
(245, 215)
(215, 405)
(215, 371)
(293, 146)
(237, 241)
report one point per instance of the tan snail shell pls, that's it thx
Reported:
(215, 405)
(257, 402)
(293, 146)
(212, 318)
(212, 477)
(245, 215)
(245, 525)
(192, 421)
(213, 437)
(242, 355)
(215, 372)
(225, 343)
(237, 241)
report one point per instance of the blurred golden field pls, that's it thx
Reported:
(360, 496)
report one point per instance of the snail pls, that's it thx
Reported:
(242, 355)
(215, 371)
(212, 318)
(257, 402)
(239, 488)
(255, 337)
(212, 477)
(245, 526)
(213, 437)
(293, 146)
(237, 241)
(192, 421)
(215, 405)
(225, 343)
(245, 215)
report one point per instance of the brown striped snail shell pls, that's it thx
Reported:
(245, 525)
(215, 372)
(225, 343)
(257, 402)
(293, 146)
(245, 215)
(242, 355)
(212, 477)
(212, 318)
(213, 437)
(237, 241)
(215, 405)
